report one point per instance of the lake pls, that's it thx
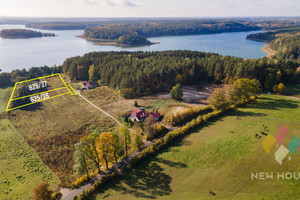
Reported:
(26, 53)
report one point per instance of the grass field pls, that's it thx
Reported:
(4, 97)
(52, 127)
(20, 168)
(219, 157)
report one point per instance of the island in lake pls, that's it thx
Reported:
(23, 33)
(124, 40)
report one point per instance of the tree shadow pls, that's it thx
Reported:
(170, 163)
(239, 113)
(274, 104)
(147, 180)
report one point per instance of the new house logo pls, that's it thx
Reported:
(282, 151)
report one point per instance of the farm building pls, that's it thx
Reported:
(140, 115)
(88, 85)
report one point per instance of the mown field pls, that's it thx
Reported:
(20, 168)
(219, 157)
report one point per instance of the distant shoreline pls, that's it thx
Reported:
(270, 52)
(110, 42)
(24, 37)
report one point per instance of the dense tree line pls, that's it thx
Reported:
(23, 33)
(78, 25)
(164, 27)
(287, 45)
(135, 73)
(268, 36)
(285, 41)
(271, 35)
(58, 26)
(8, 79)
(101, 149)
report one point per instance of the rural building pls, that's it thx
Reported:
(88, 85)
(140, 115)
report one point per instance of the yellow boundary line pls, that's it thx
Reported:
(38, 93)
(39, 78)
(38, 101)
(11, 97)
(66, 86)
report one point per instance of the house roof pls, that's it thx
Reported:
(140, 114)
(86, 84)
(155, 115)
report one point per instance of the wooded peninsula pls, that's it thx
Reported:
(23, 33)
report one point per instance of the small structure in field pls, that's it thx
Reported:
(140, 115)
(88, 85)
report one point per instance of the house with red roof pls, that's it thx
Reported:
(140, 115)
(88, 85)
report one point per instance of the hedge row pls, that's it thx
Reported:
(161, 143)
(83, 179)
(186, 115)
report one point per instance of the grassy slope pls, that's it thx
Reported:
(53, 128)
(20, 167)
(219, 157)
(4, 97)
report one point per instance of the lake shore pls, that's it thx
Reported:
(270, 52)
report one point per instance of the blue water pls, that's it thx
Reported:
(26, 53)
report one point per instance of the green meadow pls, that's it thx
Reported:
(4, 97)
(218, 157)
(20, 168)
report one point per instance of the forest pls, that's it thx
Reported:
(133, 40)
(165, 27)
(137, 73)
(287, 45)
(9, 79)
(23, 33)
(58, 26)
(285, 41)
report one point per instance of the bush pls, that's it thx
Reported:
(186, 115)
(280, 88)
(82, 179)
(42, 192)
(176, 92)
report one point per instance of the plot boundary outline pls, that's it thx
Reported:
(68, 87)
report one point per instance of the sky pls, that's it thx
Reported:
(148, 8)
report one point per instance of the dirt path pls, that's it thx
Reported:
(78, 92)
(296, 98)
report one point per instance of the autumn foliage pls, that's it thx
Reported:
(42, 192)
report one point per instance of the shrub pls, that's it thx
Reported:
(82, 179)
(176, 92)
(42, 192)
(186, 115)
